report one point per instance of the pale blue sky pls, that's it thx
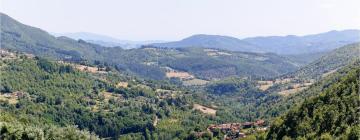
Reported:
(176, 19)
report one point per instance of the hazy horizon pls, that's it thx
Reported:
(174, 20)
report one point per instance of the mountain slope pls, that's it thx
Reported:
(20, 37)
(88, 36)
(219, 64)
(305, 59)
(146, 62)
(106, 40)
(280, 104)
(12, 128)
(334, 113)
(330, 62)
(211, 41)
(321, 73)
(43, 93)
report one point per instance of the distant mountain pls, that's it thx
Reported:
(285, 45)
(211, 41)
(106, 40)
(305, 44)
(146, 62)
(88, 36)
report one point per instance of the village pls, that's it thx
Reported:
(239, 130)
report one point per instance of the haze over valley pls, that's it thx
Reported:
(75, 81)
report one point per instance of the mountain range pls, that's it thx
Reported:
(285, 45)
(150, 62)
(211, 41)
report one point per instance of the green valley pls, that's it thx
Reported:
(204, 87)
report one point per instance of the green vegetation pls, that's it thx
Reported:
(280, 105)
(146, 62)
(230, 86)
(237, 100)
(10, 129)
(220, 64)
(334, 113)
(57, 95)
(331, 61)
(132, 98)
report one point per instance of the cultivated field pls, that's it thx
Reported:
(291, 91)
(177, 74)
(264, 85)
(204, 109)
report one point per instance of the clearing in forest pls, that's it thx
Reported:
(204, 109)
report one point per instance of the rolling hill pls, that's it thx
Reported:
(316, 43)
(281, 104)
(319, 75)
(333, 113)
(330, 62)
(211, 41)
(284, 45)
(48, 98)
(147, 62)
(106, 41)
(110, 91)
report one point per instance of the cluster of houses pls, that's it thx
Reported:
(12, 97)
(237, 130)
(6, 54)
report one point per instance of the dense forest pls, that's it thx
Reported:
(12, 129)
(39, 91)
(332, 114)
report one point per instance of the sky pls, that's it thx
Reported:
(177, 19)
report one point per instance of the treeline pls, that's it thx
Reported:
(13, 129)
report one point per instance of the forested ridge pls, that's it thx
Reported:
(45, 94)
(280, 105)
(330, 61)
(332, 114)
